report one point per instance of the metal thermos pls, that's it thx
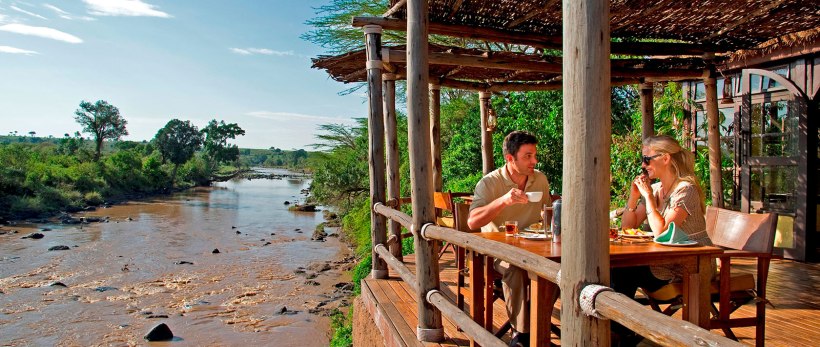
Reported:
(556, 220)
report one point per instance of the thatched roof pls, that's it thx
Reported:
(733, 29)
(349, 67)
(733, 24)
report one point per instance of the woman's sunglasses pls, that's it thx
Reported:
(646, 159)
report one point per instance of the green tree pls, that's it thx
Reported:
(298, 154)
(216, 146)
(177, 142)
(102, 120)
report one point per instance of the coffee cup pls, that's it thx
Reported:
(535, 196)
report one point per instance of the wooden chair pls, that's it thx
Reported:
(743, 236)
(445, 213)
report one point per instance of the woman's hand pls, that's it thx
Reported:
(642, 184)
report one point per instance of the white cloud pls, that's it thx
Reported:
(65, 15)
(56, 9)
(262, 51)
(128, 8)
(44, 32)
(27, 12)
(14, 50)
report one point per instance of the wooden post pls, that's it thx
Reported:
(391, 134)
(435, 134)
(429, 327)
(587, 131)
(647, 110)
(486, 136)
(375, 127)
(688, 132)
(713, 136)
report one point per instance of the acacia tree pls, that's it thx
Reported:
(177, 142)
(216, 146)
(102, 120)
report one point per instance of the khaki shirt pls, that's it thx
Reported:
(497, 183)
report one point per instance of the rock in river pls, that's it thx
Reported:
(59, 248)
(35, 236)
(160, 332)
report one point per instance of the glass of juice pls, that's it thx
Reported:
(511, 227)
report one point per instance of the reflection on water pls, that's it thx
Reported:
(158, 258)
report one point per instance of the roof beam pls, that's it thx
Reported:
(516, 86)
(398, 6)
(400, 56)
(540, 41)
(456, 6)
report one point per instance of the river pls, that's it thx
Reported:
(226, 265)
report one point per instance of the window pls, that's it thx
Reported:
(774, 129)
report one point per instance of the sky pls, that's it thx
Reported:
(240, 61)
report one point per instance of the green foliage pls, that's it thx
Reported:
(340, 173)
(341, 325)
(625, 165)
(332, 25)
(177, 142)
(216, 147)
(93, 199)
(102, 120)
(540, 113)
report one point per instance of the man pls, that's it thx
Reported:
(501, 196)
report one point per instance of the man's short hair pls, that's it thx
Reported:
(515, 139)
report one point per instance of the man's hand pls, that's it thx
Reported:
(515, 196)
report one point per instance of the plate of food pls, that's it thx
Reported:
(535, 228)
(687, 243)
(635, 233)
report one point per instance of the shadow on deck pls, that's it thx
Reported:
(793, 289)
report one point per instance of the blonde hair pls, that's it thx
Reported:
(683, 161)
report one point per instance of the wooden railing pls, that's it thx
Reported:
(608, 304)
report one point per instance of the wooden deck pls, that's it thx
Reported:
(793, 289)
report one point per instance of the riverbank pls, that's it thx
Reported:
(226, 264)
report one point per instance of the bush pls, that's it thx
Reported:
(93, 198)
(342, 327)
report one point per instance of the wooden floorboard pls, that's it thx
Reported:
(793, 289)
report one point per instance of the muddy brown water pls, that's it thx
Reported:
(153, 262)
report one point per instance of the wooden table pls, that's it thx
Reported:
(695, 261)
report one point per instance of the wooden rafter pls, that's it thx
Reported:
(743, 20)
(540, 41)
(489, 62)
(398, 6)
(453, 71)
(548, 6)
(454, 9)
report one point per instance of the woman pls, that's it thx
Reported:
(677, 197)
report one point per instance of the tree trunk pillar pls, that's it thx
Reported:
(429, 327)
(713, 138)
(647, 110)
(486, 135)
(435, 134)
(391, 134)
(375, 131)
(587, 131)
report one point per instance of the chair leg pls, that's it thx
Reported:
(503, 329)
(460, 267)
(444, 249)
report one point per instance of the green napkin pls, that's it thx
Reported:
(672, 235)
